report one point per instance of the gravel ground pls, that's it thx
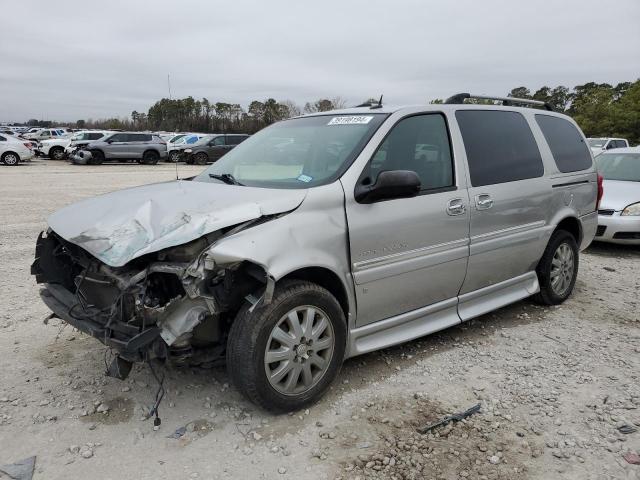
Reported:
(554, 384)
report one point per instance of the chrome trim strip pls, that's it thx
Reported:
(394, 257)
(516, 229)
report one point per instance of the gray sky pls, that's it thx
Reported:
(67, 60)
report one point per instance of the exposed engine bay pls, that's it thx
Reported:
(173, 305)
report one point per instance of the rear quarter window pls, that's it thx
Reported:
(500, 147)
(569, 150)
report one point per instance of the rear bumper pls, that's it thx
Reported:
(128, 340)
(618, 229)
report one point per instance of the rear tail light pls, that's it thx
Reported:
(28, 145)
(600, 190)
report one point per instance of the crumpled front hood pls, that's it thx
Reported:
(120, 226)
(618, 195)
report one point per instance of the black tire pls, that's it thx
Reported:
(56, 153)
(97, 157)
(251, 333)
(200, 158)
(174, 156)
(548, 295)
(150, 157)
(10, 159)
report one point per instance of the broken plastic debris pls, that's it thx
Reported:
(626, 428)
(180, 431)
(456, 417)
(632, 458)
(22, 470)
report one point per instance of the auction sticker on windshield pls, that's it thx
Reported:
(351, 120)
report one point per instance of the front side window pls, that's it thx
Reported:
(218, 141)
(565, 142)
(419, 143)
(619, 166)
(500, 147)
(118, 137)
(298, 153)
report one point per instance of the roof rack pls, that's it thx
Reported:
(459, 98)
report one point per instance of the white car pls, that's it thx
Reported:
(14, 150)
(599, 145)
(57, 148)
(177, 143)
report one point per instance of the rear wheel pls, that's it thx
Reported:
(97, 157)
(284, 355)
(10, 158)
(200, 158)
(150, 157)
(558, 269)
(174, 156)
(56, 153)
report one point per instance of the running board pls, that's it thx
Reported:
(488, 299)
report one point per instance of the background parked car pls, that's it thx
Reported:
(211, 148)
(144, 147)
(46, 133)
(599, 145)
(175, 148)
(58, 148)
(619, 211)
(14, 150)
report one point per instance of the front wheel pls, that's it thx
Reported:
(558, 269)
(200, 158)
(97, 157)
(284, 355)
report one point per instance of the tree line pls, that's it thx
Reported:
(601, 110)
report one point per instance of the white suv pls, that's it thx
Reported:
(599, 145)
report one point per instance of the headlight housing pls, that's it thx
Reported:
(188, 150)
(633, 209)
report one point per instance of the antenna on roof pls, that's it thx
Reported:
(372, 104)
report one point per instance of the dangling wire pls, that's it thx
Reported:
(159, 395)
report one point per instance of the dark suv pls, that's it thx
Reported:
(143, 147)
(211, 148)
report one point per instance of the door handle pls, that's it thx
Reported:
(484, 201)
(455, 207)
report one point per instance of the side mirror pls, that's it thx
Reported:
(390, 184)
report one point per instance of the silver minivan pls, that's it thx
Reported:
(328, 236)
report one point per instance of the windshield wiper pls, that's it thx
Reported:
(226, 178)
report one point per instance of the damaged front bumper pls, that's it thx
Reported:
(131, 342)
(171, 305)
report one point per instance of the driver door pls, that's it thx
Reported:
(409, 253)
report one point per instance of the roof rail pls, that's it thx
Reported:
(461, 97)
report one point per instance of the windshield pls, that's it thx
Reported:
(619, 166)
(597, 142)
(177, 137)
(298, 153)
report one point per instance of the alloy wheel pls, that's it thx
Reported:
(299, 350)
(562, 268)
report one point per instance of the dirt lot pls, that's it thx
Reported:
(555, 384)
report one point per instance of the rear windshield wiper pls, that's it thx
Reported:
(226, 178)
